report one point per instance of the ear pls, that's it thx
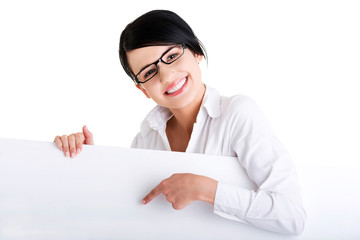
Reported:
(142, 89)
(199, 57)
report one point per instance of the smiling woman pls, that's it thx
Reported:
(161, 54)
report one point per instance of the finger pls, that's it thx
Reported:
(79, 140)
(58, 142)
(71, 140)
(88, 136)
(151, 195)
(65, 144)
(175, 206)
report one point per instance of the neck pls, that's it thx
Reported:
(186, 117)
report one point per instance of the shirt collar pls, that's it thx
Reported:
(211, 102)
(158, 116)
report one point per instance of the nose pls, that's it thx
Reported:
(166, 73)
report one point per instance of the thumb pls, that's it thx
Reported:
(89, 140)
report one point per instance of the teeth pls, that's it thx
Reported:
(177, 87)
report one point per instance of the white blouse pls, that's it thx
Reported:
(235, 126)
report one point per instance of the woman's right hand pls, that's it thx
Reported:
(72, 145)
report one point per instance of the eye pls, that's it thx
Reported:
(171, 57)
(149, 72)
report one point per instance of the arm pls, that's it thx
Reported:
(276, 205)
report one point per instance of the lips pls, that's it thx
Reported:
(176, 87)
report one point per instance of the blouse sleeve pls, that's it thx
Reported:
(276, 205)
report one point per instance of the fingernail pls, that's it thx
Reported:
(72, 155)
(143, 202)
(78, 150)
(67, 154)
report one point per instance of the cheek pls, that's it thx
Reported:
(190, 66)
(152, 89)
(195, 72)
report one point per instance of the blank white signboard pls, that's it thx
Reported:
(98, 194)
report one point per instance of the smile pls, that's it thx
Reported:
(177, 87)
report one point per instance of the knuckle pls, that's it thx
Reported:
(79, 137)
(151, 194)
(175, 175)
(164, 183)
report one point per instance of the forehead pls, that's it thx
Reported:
(140, 57)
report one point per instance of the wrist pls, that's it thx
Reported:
(208, 188)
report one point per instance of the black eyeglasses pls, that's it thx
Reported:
(170, 56)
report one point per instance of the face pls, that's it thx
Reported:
(175, 85)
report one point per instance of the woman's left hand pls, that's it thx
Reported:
(182, 189)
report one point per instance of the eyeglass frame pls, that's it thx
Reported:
(157, 62)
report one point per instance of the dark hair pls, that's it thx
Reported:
(155, 28)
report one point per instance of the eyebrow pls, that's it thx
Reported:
(157, 59)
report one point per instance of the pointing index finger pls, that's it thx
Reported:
(151, 195)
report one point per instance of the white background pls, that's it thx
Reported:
(299, 60)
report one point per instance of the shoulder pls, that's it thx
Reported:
(243, 116)
(239, 106)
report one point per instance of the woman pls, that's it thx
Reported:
(161, 54)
